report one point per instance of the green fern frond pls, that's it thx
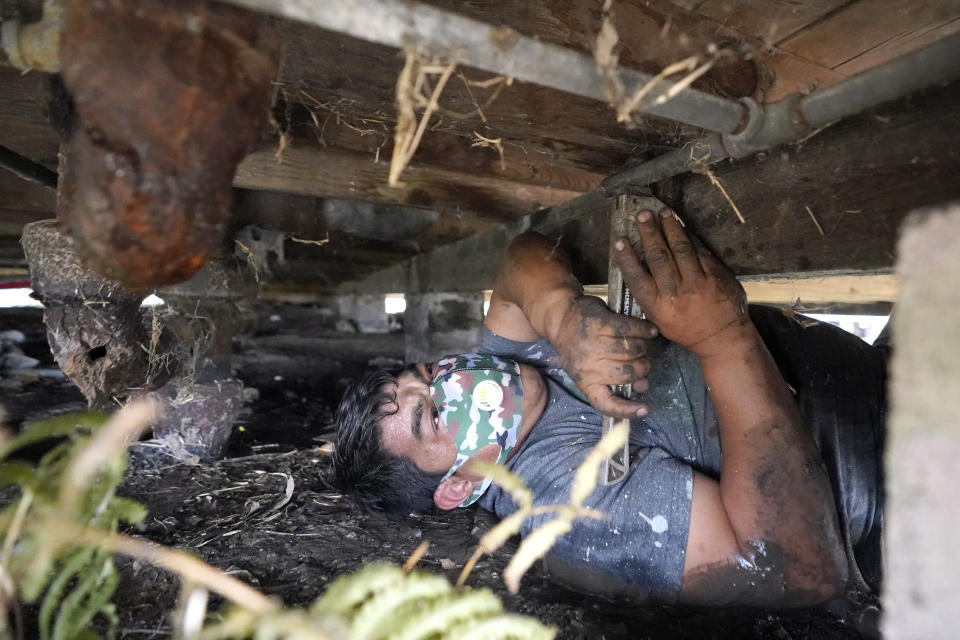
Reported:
(60, 426)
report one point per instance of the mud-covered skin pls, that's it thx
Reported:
(675, 273)
(766, 532)
(596, 345)
(757, 581)
(168, 96)
(535, 296)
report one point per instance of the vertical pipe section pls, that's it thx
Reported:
(500, 50)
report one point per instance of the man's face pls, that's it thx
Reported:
(415, 430)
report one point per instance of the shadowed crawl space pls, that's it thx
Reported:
(241, 515)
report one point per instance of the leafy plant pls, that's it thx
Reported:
(60, 534)
(76, 582)
(383, 602)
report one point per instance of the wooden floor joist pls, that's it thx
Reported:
(835, 202)
(859, 178)
(316, 171)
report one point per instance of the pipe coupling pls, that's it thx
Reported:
(768, 126)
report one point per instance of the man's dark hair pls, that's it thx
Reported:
(363, 468)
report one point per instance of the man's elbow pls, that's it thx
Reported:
(819, 582)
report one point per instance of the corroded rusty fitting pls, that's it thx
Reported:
(768, 125)
(169, 96)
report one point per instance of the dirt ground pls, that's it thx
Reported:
(269, 516)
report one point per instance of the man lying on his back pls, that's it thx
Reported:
(737, 491)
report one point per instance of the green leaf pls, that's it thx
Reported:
(17, 473)
(73, 563)
(445, 612)
(54, 427)
(351, 591)
(34, 564)
(122, 510)
(95, 586)
(374, 618)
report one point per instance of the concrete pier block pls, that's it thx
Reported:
(922, 590)
(93, 323)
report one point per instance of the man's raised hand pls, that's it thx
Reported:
(692, 298)
(599, 348)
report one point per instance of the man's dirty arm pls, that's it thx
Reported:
(536, 295)
(766, 533)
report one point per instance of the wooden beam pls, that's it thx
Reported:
(19, 194)
(655, 33)
(900, 45)
(12, 220)
(579, 226)
(527, 179)
(661, 30)
(555, 146)
(11, 253)
(315, 171)
(859, 178)
(768, 20)
(358, 79)
(311, 218)
(848, 290)
(23, 125)
(864, 26)
(833, 203)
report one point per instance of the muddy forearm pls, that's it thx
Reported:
(536, 276)
(773, 482)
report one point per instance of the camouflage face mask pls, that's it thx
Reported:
(479, 398)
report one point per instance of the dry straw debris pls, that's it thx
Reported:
(607, 60)
(416, 91)
(495, 143)
(410, 87)
(794, 312)
(700, 165)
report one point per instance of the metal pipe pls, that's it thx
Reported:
(796, 117)
(705, 151)
(931, 65)
(27, 168)
(500, 50)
